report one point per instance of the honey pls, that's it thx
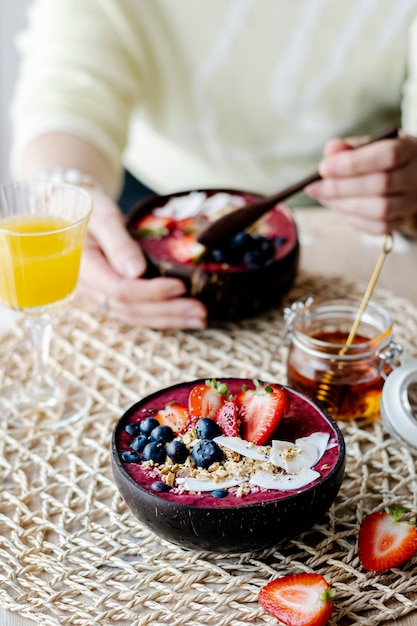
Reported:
(346, 380)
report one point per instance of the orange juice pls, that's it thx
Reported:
(39, 259)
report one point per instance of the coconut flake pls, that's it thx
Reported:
(219, 201)
(243, 447)
(196, 484)
(284, 482)
(304, 453)
(197, 203)
(182, 207)
(320, 440)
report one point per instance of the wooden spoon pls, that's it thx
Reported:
(223, 229)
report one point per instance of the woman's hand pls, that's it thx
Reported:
(111, 270)
(375, 186)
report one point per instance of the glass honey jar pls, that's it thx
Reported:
(345, 377)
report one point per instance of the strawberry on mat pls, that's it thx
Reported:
(384, 541)
(261, 410)
(298, 599)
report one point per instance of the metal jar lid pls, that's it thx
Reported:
(399, 403)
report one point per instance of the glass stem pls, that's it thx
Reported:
(41, 387)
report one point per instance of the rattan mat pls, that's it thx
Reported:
(72, 553)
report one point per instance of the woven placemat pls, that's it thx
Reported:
(72, 553)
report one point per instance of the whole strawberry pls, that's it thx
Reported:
(206, 399)
(384, 541)
(299, 599)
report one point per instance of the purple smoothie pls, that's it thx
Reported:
(277, 224)
(302, 419)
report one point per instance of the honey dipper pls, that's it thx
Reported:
(325, 390)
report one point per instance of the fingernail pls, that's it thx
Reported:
(133, 268)
(329, 167)
(176, 290)
(195, 322)
(313, 190)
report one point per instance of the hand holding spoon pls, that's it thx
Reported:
(223, 229)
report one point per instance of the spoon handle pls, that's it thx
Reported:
(228, 225)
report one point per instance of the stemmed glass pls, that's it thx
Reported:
(42, 232)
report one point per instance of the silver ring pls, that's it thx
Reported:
(104, 304)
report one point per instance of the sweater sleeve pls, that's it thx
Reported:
(76, 76)
(409, 102)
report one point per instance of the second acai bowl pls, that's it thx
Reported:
(252, 272)
(228, 465)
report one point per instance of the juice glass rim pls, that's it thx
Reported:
(51, 184)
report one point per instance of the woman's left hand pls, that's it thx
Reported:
(374, 186)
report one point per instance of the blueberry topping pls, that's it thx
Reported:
(245, 249)
(160, 486)
(207, 428)
(253, 259)
(147, 425)
(139, 443)
(162, 434)
(133, 428)
(219, 493)
(130, 457)
(205, 453)
(177, 451)
(155, 452)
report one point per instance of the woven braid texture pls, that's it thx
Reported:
(72, 553)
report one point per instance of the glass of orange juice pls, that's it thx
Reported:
(43, 227)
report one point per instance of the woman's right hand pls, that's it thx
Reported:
(111, 275)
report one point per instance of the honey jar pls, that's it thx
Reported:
(346, 378)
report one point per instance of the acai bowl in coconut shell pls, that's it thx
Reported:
(247, 275)
(227, 465)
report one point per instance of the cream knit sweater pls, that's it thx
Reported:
(202, 93)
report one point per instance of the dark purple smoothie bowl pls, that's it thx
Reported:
(253, 522)
(232, 292)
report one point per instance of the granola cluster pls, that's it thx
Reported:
(233, 465)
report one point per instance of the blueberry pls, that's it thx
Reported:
(207, 428)
(139, 443)
(267, 247)
(162, 434)
(253, 259)
(218, 256)
(177, 451)
(133, 428)
(219, 493)
(130, 457)
(278, 241)
(241, 240)
(160, 486)
(154, 452)
(147, 426)
(205, 453)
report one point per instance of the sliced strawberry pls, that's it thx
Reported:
(174, 415)
(206, 399)
(188, 225)
(186, 249)
(154, 226)
(227, 419)
(260, 411)
(298, 600)
(384, 541)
